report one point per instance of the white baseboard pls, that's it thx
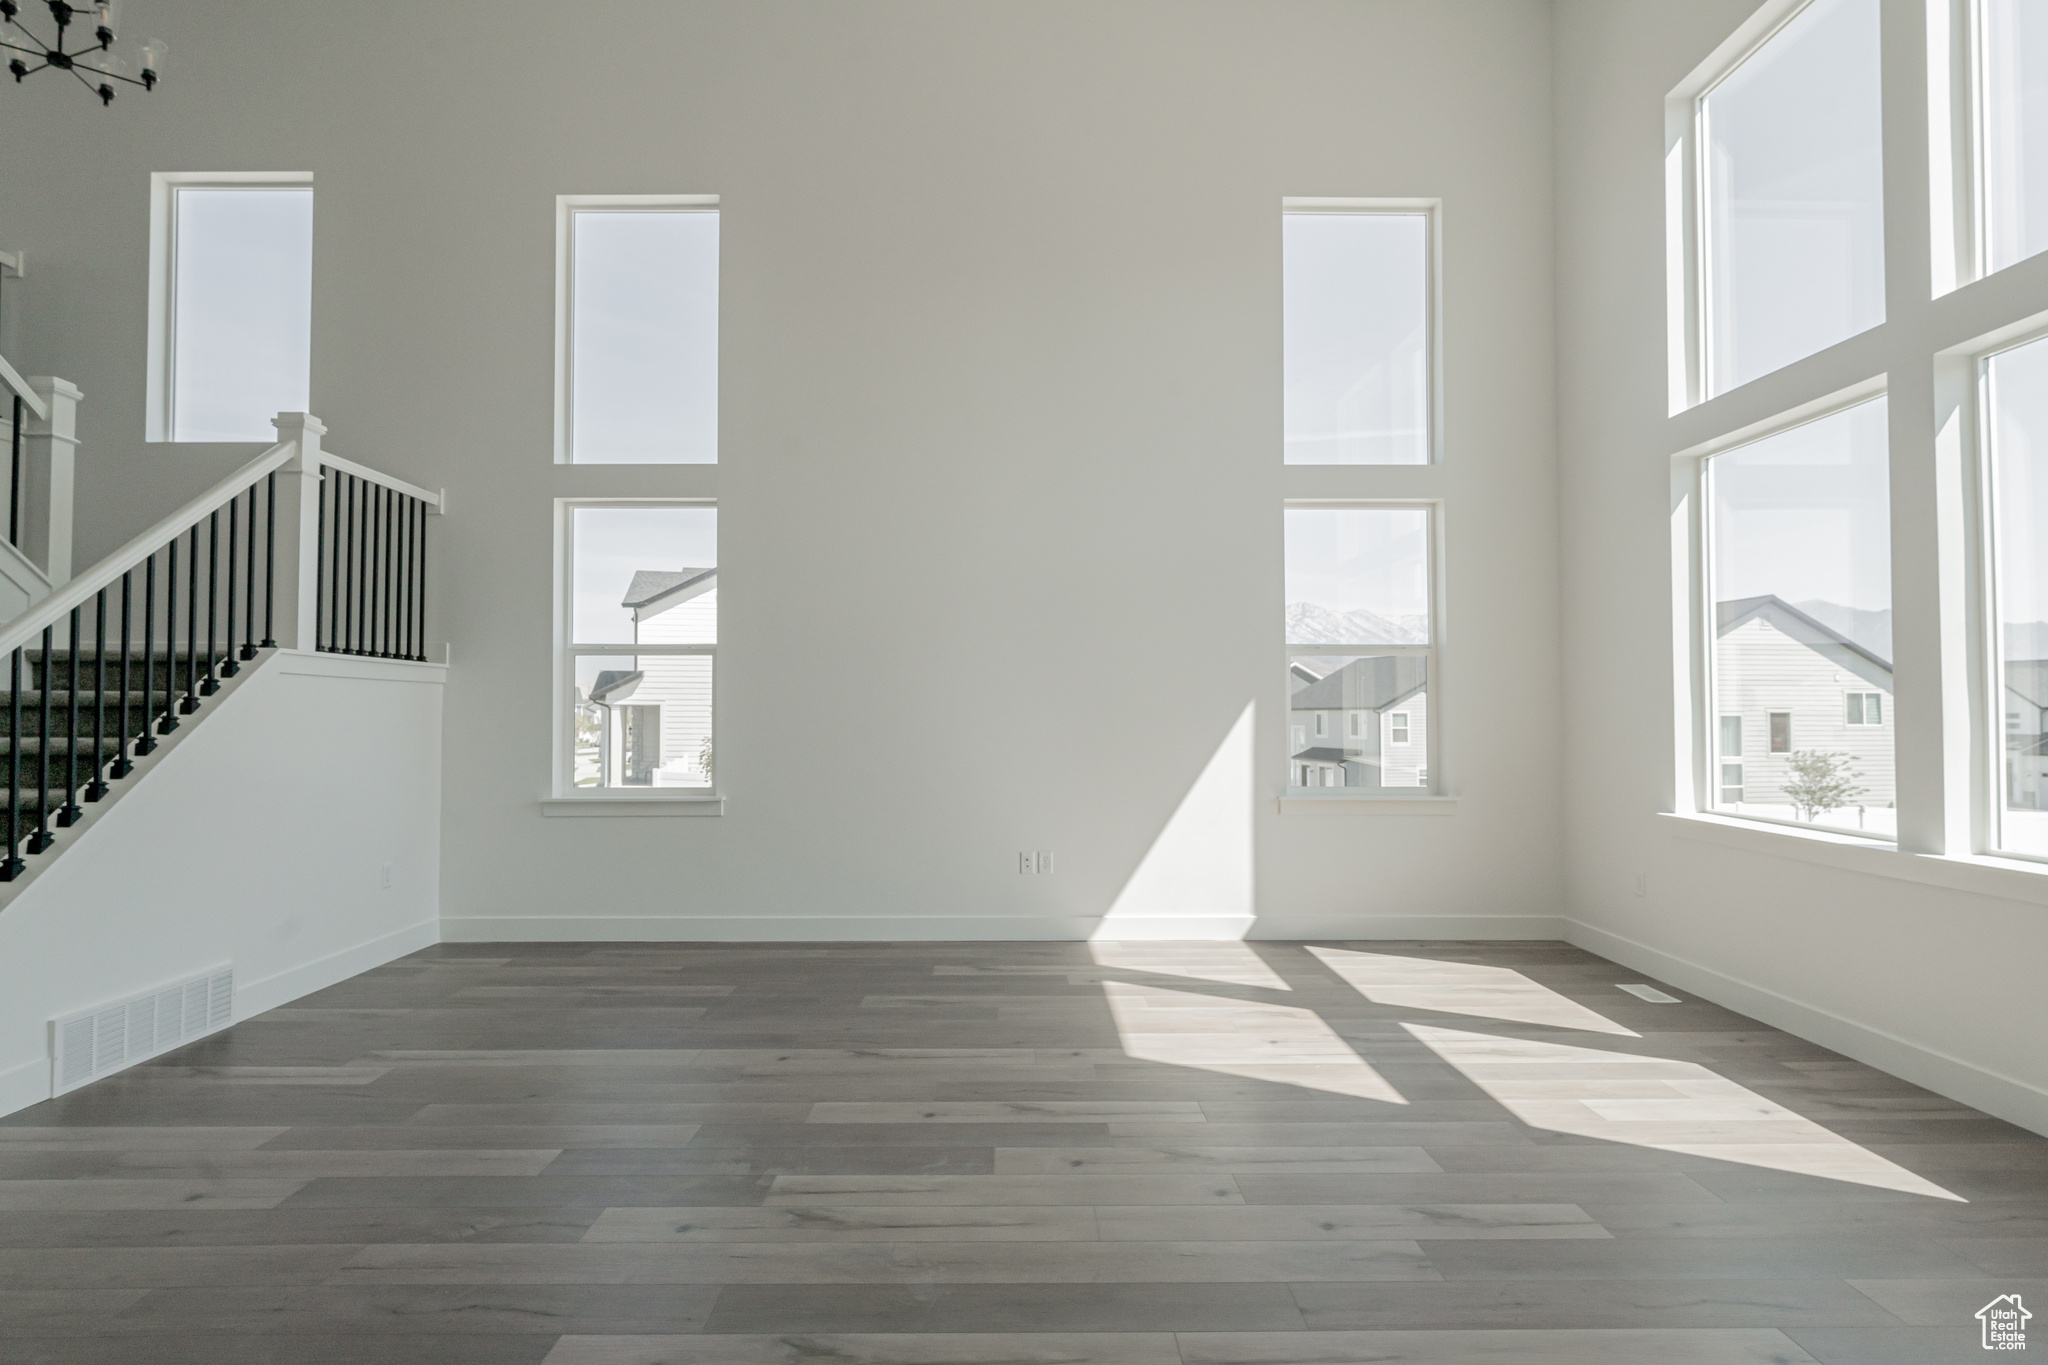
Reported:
(25, 1084)
(2004, 1097)
(982, 928)
(285, 987)
(1428, 928)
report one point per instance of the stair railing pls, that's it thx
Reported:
(359, 560)
(24, 398)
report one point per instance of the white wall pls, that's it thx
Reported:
(1000, 487)
(260, 840)
(1919, 961)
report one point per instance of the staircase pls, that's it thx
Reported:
(68, 729)
(219, 746)
(299, 550)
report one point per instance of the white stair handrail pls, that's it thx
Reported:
(30, 399)
(25, 631)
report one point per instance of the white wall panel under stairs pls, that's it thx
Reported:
(294, 832)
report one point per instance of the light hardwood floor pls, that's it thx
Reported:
(1146, 1154)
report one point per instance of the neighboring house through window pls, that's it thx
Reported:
(1359, 647)
(639, 661)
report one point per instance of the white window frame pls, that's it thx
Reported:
(1434, 559)
(567, 206)
(1432, 209)
(1865, 694)
(1951, 732)
(161, 355)
(566, 794)
(1687, 288)
(1971, 365)
(1957, 94)
(1699, 699)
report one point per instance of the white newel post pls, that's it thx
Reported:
(298, 531)
(49, 450)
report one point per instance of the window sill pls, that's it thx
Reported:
(1980, 874)
(1305, 804)
(643, 807)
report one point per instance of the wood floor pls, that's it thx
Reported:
(1196, 1154)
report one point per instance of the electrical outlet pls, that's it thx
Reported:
(1027, 863)
(387, 876)
(1045, 860)
(1642, 884)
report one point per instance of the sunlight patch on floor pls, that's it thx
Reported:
(1233, 964)
(1655, 1102)
(1467, 988)
(1244, 1038)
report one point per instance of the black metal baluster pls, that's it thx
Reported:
(228, 666)
(42, 838)
(269, 562)
(146, 742)
(190, 702)
(97, 788)
(384, 576)
(422, 587)
(15, 865)
(368, 636)
(333, 569)
(348, 573)
(208, 685)
(249, 606)
(69, 814)
(375, 576)
(319, 554)
(170, 719)
(14, 482)
(407, 513)
(122, 767)
(362, 584)
(390, 573)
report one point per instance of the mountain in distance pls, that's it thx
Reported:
(1310, 624)
(1871, 629)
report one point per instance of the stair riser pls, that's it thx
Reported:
(59, 674)
(60, 720)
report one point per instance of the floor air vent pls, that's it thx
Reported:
(97, 1042)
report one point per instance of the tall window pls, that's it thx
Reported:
(1792, 195)
(639, 648)
(1356, 336)
(2016, 390)
(233, 341)
(1360, 640)
(2012, 85)
(1799, 534)
(637, 350)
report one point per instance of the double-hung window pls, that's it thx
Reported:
(1360, 388)
(230, 304)
(638, 646)
(636, 346)
(1360, 644)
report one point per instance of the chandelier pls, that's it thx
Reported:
(96, 65)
